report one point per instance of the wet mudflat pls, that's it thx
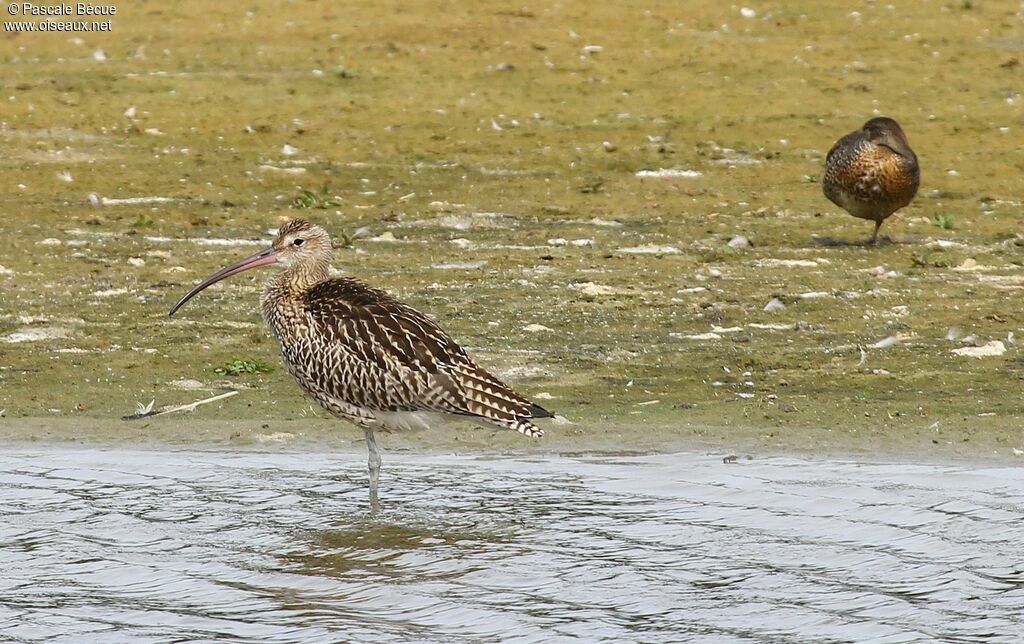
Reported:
(112, 544)
(561, 186)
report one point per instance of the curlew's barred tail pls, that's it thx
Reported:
(526, 428)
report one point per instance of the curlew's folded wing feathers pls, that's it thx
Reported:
(401, 359)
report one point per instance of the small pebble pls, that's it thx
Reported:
(739, 242)
(775, 304)
(891, 341)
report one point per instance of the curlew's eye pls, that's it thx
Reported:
(298, 242)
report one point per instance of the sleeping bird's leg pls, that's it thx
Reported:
(874, 235)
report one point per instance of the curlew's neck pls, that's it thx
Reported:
(281, 299)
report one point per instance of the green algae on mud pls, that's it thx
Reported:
(490, 164)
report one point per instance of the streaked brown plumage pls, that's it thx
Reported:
(872, 172)
(366, 357)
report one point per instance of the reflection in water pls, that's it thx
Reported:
(110, 545)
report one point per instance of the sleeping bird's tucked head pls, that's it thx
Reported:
(886, 131)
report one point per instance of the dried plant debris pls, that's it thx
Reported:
(146, 410)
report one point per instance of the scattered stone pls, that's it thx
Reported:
(787, 263)
(187, 383)
(536, 328)
(971, 265)
(34, 335)
(386, 236)
(111, 292)
(987, 350)
(50, 241)
(271, 168)
(467, 221)
(135, 201)
(582, 242)
(739, 242)
(276, 437)
(774, 305)
(590, 289)
(609, 146)
(699, 336)
(464, 266)
(954, 333)
(445, 206)
(945, 243)
(725, 329)
(651, 249)
(668, 173)
(136, 261)
(597, 221)
(558, 241)
(885, 343)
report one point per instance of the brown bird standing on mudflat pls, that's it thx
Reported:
(366, 357)
(872, 172)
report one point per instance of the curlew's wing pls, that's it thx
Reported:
(380, 354)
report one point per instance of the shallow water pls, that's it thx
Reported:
(118, 545)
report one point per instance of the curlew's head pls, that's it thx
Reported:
(886, 131)
(299, 244)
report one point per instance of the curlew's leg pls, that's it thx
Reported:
(874, 235)
(374, 466)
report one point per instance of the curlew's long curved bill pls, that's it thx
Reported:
(262, 258)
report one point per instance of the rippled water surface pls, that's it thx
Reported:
(117, 545)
